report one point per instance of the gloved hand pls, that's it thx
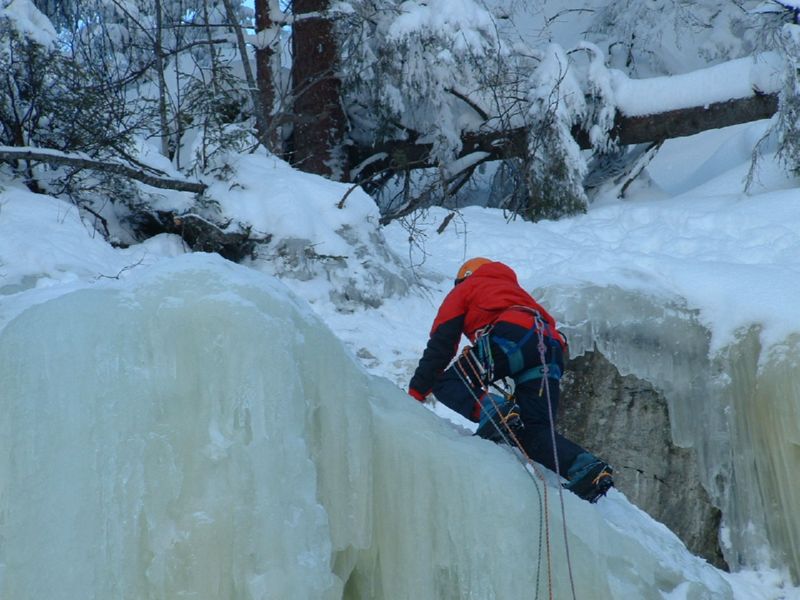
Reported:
(416, 395)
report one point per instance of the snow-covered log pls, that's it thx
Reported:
(403, 155)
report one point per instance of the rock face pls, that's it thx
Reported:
(625, 421)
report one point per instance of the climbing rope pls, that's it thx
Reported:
(544, 516)
(481, 374)
(539, 324)
(468, 379)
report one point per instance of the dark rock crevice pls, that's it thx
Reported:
(625, 420)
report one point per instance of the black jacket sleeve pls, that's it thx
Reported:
(441, 348)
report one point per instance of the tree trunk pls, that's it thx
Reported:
(320, 123)
(162, 83)
(260, 111)
(265, 70)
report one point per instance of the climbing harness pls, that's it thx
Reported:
(513, 350)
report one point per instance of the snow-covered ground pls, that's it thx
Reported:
(689, 232)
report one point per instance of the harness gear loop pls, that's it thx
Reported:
(472, 370)
(484, 347)
(476, 362)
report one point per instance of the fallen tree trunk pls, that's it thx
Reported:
(199, 233)
(402, 155)
(689, 121)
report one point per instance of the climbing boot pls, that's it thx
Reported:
(589, 478)
(500, 420)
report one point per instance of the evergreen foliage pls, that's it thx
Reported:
(438, 69)
(788, 122)
(556, 167)
(784, 25)
(50, 99)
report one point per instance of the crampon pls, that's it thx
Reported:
(592, 481)
(499, 419)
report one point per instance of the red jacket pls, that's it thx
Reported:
(482, 299)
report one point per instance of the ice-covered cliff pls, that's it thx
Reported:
(193, 431)
(735, 402)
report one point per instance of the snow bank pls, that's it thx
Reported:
(194, 430)
(46, 250)
(322, 233)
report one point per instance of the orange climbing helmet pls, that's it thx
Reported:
(469, 267)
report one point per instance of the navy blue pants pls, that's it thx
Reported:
(531, 396)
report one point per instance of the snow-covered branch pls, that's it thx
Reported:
(54, 157)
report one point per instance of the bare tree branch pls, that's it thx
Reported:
(466, 100)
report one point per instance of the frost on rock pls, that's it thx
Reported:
(195, 432)
(737, 407)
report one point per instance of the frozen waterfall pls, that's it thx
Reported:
(194, 431)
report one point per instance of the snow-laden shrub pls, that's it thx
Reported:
(555, 165)
(420, 68)
(431, 71)
(50, 100)
(664, 37)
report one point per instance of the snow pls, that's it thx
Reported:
(29, 22)
(445, 17)
(739, 78)
(36, 268)
(265, 198)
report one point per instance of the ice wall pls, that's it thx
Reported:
(195, 432)
(738, 407)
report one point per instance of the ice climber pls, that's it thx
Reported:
(511, 335)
